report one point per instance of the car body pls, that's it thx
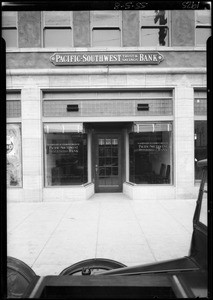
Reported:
(185, 277)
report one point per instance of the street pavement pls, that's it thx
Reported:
(50, 236)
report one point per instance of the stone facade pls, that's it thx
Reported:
(30, 71)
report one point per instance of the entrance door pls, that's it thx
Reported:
(107, 168)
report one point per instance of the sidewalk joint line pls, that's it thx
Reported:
(47, 241)
(136, 217)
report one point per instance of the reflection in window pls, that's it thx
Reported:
(106, 28)
(154, 28)
(203, 210)
(151, 154)
(14, 162)
(57, 29)
(106, 37)
(65, 157)
(203, 26)
(57, 37)
(200, 145)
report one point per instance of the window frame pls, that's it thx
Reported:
(17, 98)
(92, 27)
(45, 183)
(200, 118)
(61, 26)
(171, 146)
(168, 26)
(7, 27)
(200, 25)
(14, 122)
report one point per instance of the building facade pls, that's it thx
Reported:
(105, 101)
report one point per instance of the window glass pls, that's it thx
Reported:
(151, 155)
(57, 29)
(14, 160)
(9, 18)
(65, 158)
(10, 37)
(154, 28)
(106, 37)
(105, 18)
(154, 36)
(203, 17)
(57, 37)
(53, 18)
(203, 26)
(154, 17)
(202, 34)
(106, 28)
(200, 145)
(200, 103)
(9, 28)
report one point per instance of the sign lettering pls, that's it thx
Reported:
(106, 58)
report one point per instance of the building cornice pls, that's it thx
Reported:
(104, 70)
(119, 49)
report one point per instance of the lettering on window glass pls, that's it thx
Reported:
(62, 148)
(152, 146)
(65, 157)
(150, 154)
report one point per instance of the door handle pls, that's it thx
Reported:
(96, 169)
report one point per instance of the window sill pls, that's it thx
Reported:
(68, 186)
(148, 184)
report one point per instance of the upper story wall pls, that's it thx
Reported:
(29, 29)
(181, 28)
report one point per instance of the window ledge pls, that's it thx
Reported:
(68, 186)
(147, 184)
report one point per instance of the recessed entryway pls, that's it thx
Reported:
(108, 156)
(107, 168)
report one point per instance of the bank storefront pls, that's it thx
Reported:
(90, 122)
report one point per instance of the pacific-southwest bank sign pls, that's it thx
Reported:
(106, 58)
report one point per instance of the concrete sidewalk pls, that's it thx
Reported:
(50, 236)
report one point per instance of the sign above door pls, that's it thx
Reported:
(106, 58)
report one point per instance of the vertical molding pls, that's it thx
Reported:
(130, 28)
(126, 147)
(81, 29)
(182, 28)
(29, 29)
(89, 157)
(184, 141)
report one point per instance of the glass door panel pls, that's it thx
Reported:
(107, 163)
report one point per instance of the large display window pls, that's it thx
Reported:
(14, 156)
(65, 154)
(150, 149)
